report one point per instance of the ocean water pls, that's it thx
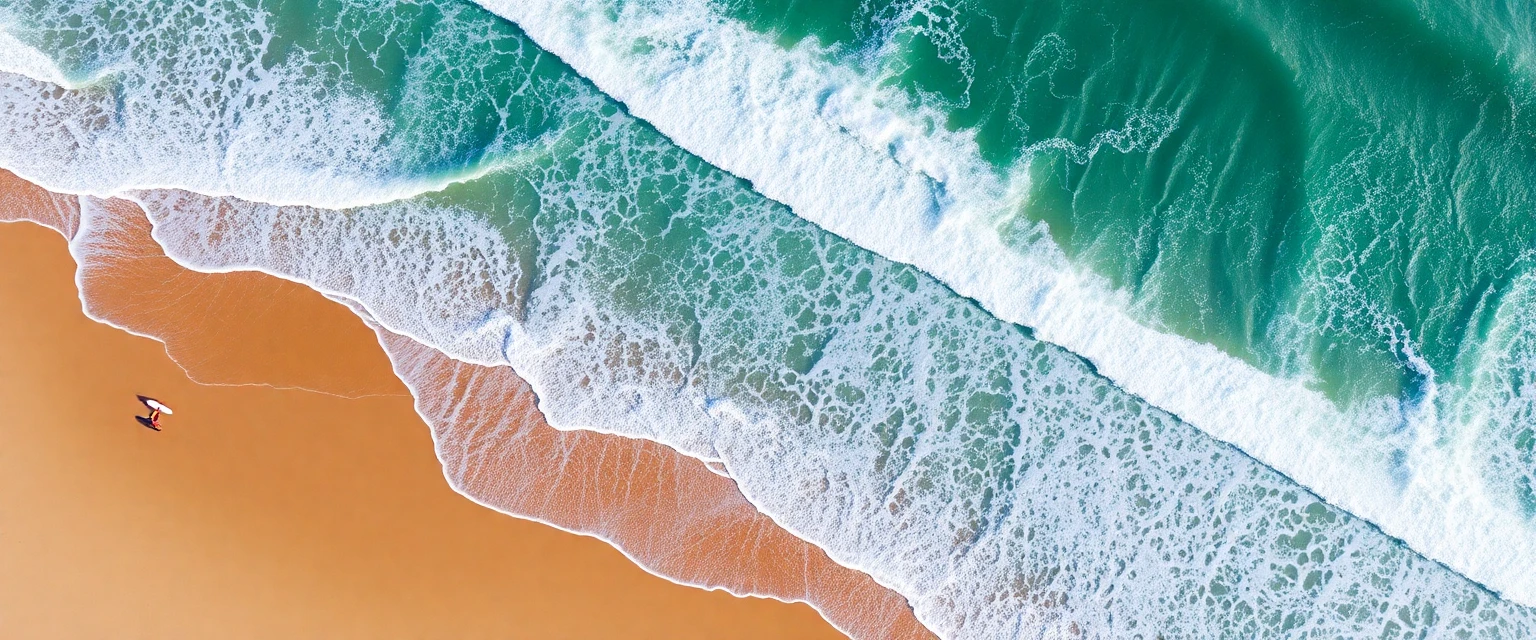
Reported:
(820, 315)
(1302, 229)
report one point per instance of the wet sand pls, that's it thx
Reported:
(263, 513)
(668, 511)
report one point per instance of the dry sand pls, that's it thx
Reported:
(269, 513)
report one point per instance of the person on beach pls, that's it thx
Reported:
(156, 408)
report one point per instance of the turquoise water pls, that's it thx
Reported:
(1317, 187)
(1354, 250)
(484, 198)
(1299, 159)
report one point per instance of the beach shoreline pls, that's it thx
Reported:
(265, 511)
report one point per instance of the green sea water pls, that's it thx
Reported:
(994, 479)
(1327, 190)
(390, 79)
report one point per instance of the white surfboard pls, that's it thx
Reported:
(155, 404)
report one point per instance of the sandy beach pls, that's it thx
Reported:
(263, 512)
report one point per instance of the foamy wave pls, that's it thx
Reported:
(1030, 544)
(206, 101)
(21, 59)
(871, 169)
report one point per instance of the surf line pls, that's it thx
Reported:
(712, 105)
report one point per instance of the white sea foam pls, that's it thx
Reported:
(1085, 515)
(195, 104)
(19, 58)
(815, 136)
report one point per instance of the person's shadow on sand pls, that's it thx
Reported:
(155, 408)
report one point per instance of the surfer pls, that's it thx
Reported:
(156, 409)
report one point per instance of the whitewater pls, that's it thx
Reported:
(473, 193)
(858, 159)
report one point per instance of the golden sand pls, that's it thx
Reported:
(262, 511)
